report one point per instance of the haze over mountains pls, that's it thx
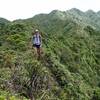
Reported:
(69, 68)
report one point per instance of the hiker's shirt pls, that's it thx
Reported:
(37, 39)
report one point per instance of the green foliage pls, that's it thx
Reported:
(69, 68)
(18, 41)
(96, 94)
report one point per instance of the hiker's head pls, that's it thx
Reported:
(36, 30)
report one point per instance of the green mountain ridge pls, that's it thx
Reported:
(82, 18)
(69, 68)
(2, 20)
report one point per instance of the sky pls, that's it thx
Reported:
(22, 9)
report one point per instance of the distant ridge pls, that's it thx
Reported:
(3, 20)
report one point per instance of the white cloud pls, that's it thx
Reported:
(15, 9)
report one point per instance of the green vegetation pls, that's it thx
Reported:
(69, 68)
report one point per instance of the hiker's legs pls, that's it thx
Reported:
(37, 48)
(39, 52)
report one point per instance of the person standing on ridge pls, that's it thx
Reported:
(37, 42)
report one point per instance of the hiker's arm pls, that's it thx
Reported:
(41, 39)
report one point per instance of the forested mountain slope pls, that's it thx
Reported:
(69, 68)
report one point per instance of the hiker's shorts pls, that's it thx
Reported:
(37, 46)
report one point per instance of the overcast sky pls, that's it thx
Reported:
(21, 9)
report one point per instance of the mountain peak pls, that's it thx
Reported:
(98, 13)
(75, 11)
(3, 20)
(90, 12)
(58, 14)
(55, 11)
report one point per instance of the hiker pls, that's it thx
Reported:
(37, 41)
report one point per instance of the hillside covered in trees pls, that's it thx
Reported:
(69, 68)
